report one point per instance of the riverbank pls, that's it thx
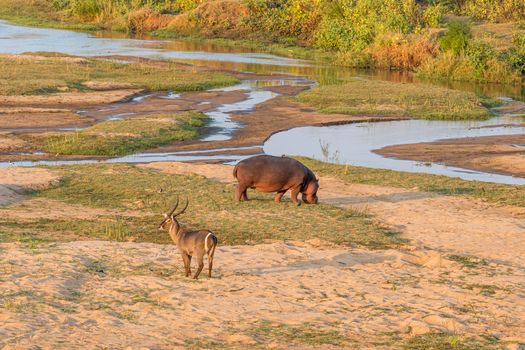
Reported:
(488, 48)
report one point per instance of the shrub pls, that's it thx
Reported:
(433, 15)
(478, 53)
(456, 38)
(405, 53)
(515, 56)
(494, 10)
(464, 68)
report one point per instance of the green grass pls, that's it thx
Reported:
(121, 137)
(468, 260)
(384, 98)
(305, 334)
(125, 187)
(26, 76)
(39, 13)
(443, 341)
(444, 185)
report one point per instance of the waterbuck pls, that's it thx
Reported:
(190, 243)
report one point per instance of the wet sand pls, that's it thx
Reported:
(498, 154)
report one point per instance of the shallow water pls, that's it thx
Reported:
(17, 39)
(352, 143)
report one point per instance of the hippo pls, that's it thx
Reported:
(276, 174)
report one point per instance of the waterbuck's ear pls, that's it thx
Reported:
(165, 215)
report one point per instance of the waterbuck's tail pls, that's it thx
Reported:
(214, 245)
(211, 246)
(235, 171)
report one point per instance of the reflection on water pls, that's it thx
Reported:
(353, 143)
(18, 39)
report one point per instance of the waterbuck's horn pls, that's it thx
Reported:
(176, 205)
(184, 209)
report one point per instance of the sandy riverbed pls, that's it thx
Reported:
(118, 295)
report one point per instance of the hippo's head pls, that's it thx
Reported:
(310, 192)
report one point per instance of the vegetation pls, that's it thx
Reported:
(466, 59)
(41, 75)
(384, 98)
(120, 137)
(393, 34)
(443, 341)
(126, 188)
(306, 333)
(491, 192)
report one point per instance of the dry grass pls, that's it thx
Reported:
(409, 53)
(125, 187)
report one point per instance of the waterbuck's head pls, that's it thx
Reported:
(170, 218)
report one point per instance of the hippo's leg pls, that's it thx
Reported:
(295, 193)
(279, 195)
(240, 193)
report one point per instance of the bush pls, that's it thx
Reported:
(433, 15)
(456, 38)
(515, 56)
(404, 53)
(494, 10)
(479, 53)
(465, 68)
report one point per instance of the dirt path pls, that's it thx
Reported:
(14, 181)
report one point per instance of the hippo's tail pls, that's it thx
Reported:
(235, 171)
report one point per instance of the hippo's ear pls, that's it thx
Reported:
(317, 179)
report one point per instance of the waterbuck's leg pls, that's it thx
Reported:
(200, 260)
(245, 195)
(295, 193)
(187, 261)
(279, 195)
(211, 252)
(210, 264)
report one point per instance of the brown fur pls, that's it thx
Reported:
(276, 174)
(190, 243)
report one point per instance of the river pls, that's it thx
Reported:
(345, 144)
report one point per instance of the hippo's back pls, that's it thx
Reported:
(269, 172)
